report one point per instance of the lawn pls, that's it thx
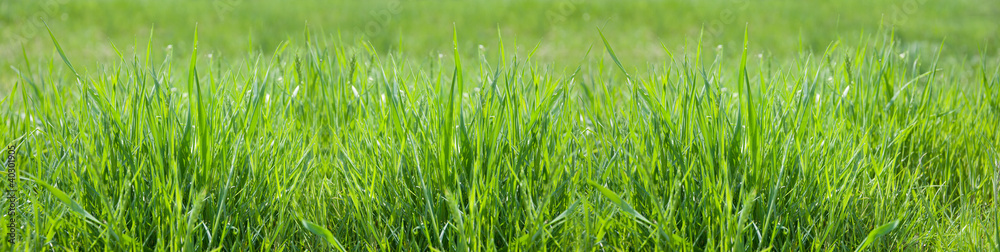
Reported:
(518, 125)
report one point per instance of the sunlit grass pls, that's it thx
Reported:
(330, 145)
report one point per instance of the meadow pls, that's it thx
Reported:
(518, 125)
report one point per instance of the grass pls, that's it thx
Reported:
(562, 29)
(322, 142)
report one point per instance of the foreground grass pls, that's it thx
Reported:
(330, 145)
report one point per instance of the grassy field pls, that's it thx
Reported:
(578, 125)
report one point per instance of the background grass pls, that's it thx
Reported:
(793, 126)
(562, 30)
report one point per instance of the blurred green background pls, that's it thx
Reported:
(562, 29)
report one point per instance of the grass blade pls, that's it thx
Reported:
(878, 232)
(618, 201)
(323, 233)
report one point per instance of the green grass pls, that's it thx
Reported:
(326, 142)
(562, 29)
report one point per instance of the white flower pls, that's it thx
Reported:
(295, 92)
(481, 47)
(170, 47)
